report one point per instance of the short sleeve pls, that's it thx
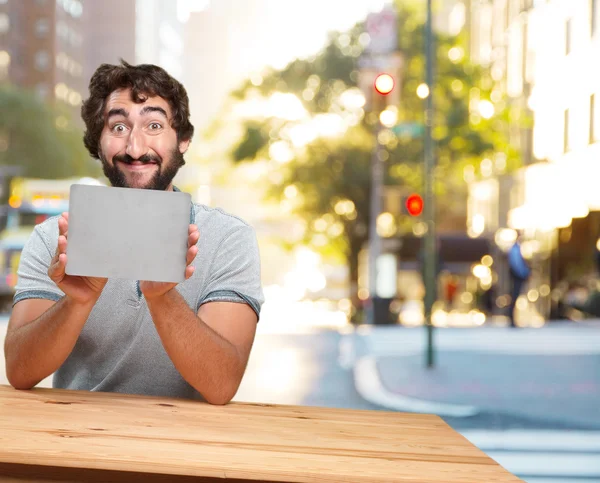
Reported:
(234, 274)
(33, 281)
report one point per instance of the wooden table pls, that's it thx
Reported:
(50, 434)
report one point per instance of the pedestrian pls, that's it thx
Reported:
(519, 273)
(451, 287)
(189, 340)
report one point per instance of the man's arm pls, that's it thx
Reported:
(41, 334)
(209, 349)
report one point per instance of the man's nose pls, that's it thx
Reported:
(136, 144)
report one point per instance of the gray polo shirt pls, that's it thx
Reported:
(119, 349)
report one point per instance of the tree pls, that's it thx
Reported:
(329, 176)
(40, 138)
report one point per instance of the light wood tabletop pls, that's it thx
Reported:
(49, 434)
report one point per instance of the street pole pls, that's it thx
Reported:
(376, 208)
(429, 208)
(379, 57)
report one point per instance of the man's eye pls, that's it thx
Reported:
(154, 126)
(118, 128)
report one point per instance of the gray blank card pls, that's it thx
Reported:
(127, 233)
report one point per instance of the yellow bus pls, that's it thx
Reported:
(31, 201)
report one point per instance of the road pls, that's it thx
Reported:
(334, 367)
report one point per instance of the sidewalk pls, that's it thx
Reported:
(563, 388)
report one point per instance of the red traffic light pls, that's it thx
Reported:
(414, 205)
(384, 84)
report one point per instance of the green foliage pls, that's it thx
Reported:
(40, 138)
(254, 141)
(327, 170)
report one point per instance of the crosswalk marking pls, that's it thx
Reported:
(538, 464)
(536, 440)
(536, 456)
(560, 479)
(540, 456)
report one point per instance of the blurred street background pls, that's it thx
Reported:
(421, 184)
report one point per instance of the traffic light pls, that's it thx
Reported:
(414, 205)
(382, 92)
(384, 84)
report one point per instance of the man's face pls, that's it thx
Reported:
(138, 146)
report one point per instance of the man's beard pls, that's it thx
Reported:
(160, 181)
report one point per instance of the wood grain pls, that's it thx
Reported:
(71, 433)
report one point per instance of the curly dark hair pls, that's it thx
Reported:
(144, 80)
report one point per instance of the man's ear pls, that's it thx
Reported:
(184, 145)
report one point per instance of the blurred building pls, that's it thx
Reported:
(543, 57)
(205, 72)
(222, 44)
(110, 33)
(159, 35)
(450, 16)
(42, 48)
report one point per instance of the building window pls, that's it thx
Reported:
(61, 91)
(62, 30)
(75, 39)
(62, 61)
(594, 119)
(74, 98)
(4, 23)
(72, 7)
(593, 17)
(76, 70)
(569, 37)
(4, 58)
(42, 28)
(566, 132)
(4, 63)
(42, 60)
(76, 9)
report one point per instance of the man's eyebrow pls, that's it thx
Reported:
(149, 109)
(117, 112)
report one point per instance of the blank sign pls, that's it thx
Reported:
(127, 233)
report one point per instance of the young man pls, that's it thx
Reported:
(519, 273)
(190, 340)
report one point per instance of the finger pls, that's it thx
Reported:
(192, 228)
(189, 271)
(191, 254)
(193, 238)
(62, 244)
(56, 272)
(63, 225)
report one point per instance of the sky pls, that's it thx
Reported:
(297, 28)
(256, 34)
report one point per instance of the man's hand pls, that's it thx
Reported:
(157, 289)
(80, 289)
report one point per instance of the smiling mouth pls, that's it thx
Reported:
(138, 165)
